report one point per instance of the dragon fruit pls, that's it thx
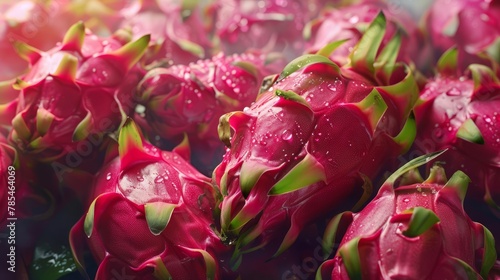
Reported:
(43, 23)
(473, 26)
(337, 125)
(459, 112)
(27, 190)
(80, 88)
(151, 215)
(413, 229)
(273, 25)
(347, 23)
(178, 29)
(191, 98)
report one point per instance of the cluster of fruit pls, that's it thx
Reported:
(230, 139)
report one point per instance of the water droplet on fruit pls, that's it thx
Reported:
(159, 179)
(354, 19)
(108, 176)
(487, 119)
(287, 135)
(140, 178)
(406, 200)
(453, 92)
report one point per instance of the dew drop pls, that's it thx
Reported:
(453, 92)
(287, 135)
(108, 176)
(159, 179)
(406, 200)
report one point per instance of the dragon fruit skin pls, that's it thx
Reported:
(347, 22)
(150, 215)
(191, 98)
(304, 124)
(460, 113)
(243, 25)
(179, 32)
(51, 124)
(412, 230)
(470, 25)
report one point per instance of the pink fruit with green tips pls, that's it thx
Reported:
(349, 22)
(273, 25)
(151, 215)
(473, 26)
(178, 29)
(338, 125)
(460, 112)
(80, 88)
(413, 229)
(189, 99)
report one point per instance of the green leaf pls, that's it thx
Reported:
(364, 53)
(386, 60)
(490, 254)
(21, 128)
(27, 52)
(460, 182)
(305, 173)
(158, 215)
(82, 130)
(469, 271)
(407, 134)
(331, 230)
(67, 68)
(88, 223)
(421, 220)
(250, 172)
(327, 50)
(350, 257)
(248, 67)
(415, 163)
(303, 61)
(374, 107)
(469, 131)
(447, 63)
(290, 95)
(44, 119)
(130, 146)
(74, 37)
(130, 53)
(161, 271)
(191, 47)
(210, 264)
(482, 75)
(437, 175)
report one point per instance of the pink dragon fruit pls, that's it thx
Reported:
(413, 229)
(348, 23)
(81, 87)
(27, 21)
(179, 34)
(191, 98)
(26, 192)
(271, 25)
(461, 113)
(151, 215)
(43, 23)
(473, 26)
(337, 125)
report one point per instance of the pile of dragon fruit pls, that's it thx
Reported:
(249, 139)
